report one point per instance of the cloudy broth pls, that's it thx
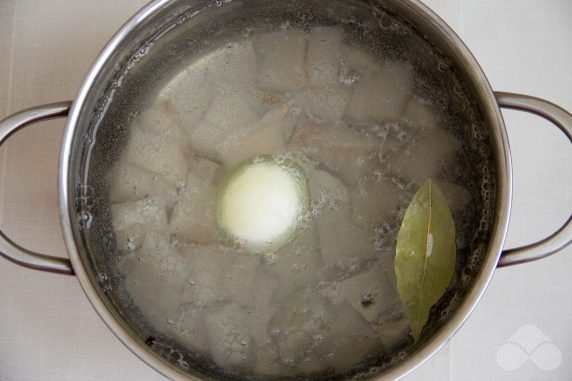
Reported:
(365, 126)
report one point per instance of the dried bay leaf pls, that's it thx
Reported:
(426, 254)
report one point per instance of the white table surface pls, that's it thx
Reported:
(48, 330)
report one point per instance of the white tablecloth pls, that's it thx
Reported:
(48, 330)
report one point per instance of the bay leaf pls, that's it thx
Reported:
(426, 254)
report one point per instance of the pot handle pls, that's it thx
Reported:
(9, 249)
(563, 120)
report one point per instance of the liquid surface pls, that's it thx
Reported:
(366, 129)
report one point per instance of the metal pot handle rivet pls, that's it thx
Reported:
(563, 120)
(9, 249)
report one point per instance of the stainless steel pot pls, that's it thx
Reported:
(159, 13)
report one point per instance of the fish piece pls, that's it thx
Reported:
(297, 264)
(391, 137)
(190, 329)
(265, 137)
(370, 293)
(344, 150)
(149, 212)
(268, 363)
(239, 277)
(323, 58)
(193, 214)
(298, 324)
(157, 296)
(267, 360)
(235, 102)
(264, 308)
(230, 111)
(228, 115)
(158, 245)
(157, 117)
(129, 182)
(425, 158)
(229, 337)
(326, 190)
(381, 94)
(202, 285)
(130, 238)
(421, 115)
(342, 243)
(234, 67)
(374, 201)
(203, 169)
(312, 363)
(185, 98)
(358, 62)
(281, 60)
(394, 333)
(204, 139)
(191, 94)
(327, 104)
(349, 340)
(309, 326)
(165, 153)
(155, 277)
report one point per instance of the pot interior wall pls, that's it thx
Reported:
(163, 45)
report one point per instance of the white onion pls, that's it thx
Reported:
(261, 202)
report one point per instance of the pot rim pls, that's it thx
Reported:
(498, 234)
